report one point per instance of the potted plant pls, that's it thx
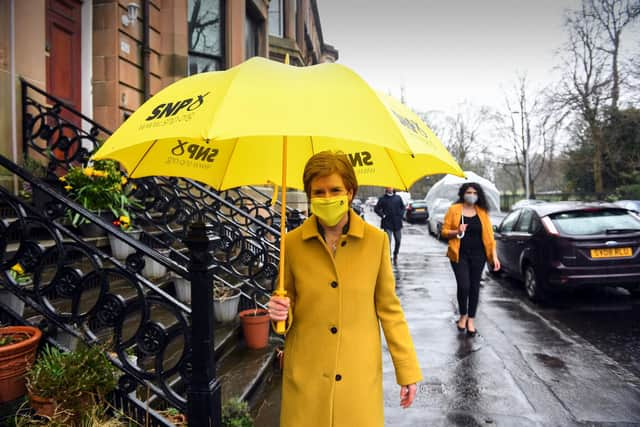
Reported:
(38, 170)
(225, 302)
(176, 417)
(119, 248)
(18, 346)
(75, 382)
(152, 268)
(235, 413)
(255, 327)
(182, 286)
(100, 188)
(8, 298)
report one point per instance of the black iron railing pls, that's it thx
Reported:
(85, 292)
(249, 228)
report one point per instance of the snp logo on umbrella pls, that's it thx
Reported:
(192, 155)
(171, 109)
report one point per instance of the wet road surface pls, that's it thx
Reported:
(574, 363)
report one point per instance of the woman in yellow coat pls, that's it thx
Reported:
(340, 289)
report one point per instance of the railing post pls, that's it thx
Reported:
(204, 404)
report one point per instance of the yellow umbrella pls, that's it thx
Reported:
(259, 122)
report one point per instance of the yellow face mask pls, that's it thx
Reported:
(330, 210)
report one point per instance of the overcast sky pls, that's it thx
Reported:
(446, 51)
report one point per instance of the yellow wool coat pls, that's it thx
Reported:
(332, 374)
(451, 223)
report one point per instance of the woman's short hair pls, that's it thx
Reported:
(482, 199)
(326, 163)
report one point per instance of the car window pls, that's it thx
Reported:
(419, 204)
(535, 224)
(509, 221)
(596, 221)
(524, 223)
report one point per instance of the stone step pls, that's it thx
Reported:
(241, 371)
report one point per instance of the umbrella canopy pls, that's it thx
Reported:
(226, 129)
(447, 188)
(259, 123)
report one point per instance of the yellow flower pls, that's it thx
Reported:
(62, 179)
(123, 180)
(88, 171)
(100, 174)
(68, 187)
(133, 186)
(18, 269)
(125, 219)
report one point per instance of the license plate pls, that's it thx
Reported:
(419, 209)
(611, 253)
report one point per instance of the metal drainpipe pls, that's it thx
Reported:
(12, 73)
(146, 51)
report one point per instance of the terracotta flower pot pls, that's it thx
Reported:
(255, 326)
(44, 406)
(14, 359)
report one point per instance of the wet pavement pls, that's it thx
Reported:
(576, 362)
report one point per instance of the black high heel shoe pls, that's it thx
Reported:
(471, 333)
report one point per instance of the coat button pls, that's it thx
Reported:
(344, 243)
(338, 377)
(334, 284)
(334, 330)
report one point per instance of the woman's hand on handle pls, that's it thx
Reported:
(407, 394)
(278, 308)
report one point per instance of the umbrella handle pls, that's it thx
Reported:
(281, 326)
(461, 235)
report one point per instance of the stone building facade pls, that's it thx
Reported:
(105, 57)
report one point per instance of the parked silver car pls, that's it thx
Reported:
(436, 216)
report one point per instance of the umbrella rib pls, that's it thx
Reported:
(313, 150)
(142, 158)
(223, 176)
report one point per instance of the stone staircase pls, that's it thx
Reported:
(80, 292)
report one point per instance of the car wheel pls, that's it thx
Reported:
(532, 284)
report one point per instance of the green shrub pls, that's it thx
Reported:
(235, 413)
(76, 380)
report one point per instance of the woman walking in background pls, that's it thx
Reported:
(471, 244)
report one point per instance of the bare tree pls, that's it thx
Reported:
(613, 16)
(529, 128)
(583, 87)
(464, 133)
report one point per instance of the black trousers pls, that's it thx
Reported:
(397, 238)
(468, 271)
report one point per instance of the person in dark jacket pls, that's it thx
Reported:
(390, 208)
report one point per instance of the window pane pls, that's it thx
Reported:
(509, 221)
(589, 222)
(250, 37)
(201, 64)
(276, 14)
(205, 27)
(525, 221)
